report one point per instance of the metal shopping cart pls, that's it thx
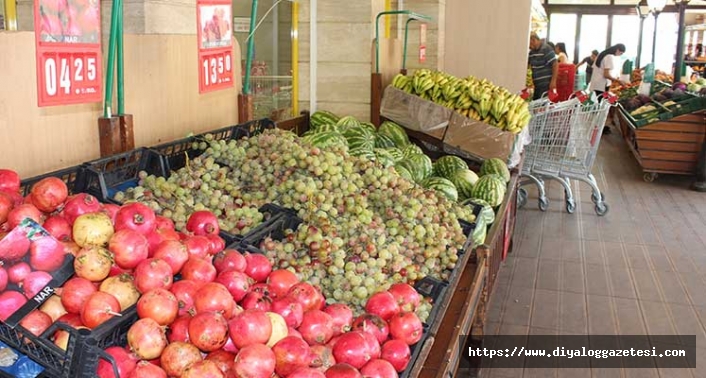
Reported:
(565, 140)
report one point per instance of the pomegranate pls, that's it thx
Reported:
(406, 296)
(9, 181)
(185, 292)
(397, 353)
(145, 369)
(280, 281)
(58, 227)
(373, 345)
(157, 237)
(160, 305)
(53, 307)
(407, 327)
(261, 288)
(10, 301)
(122, 287)
(93, 263)
(89, 20)
(49, 193)
(203, 369)
(236, 282)
(14, 246)
(316, 327)
(78, 205)
(163, 223)
(71, 248)
(229, 259)
(6, 205)
(352, 349)
(19, 213)
(34, 283)
(152, 274)
(343, 371)
(342, 317)
(378, 369)
(198, 246)
(202, 222)
(223, 359)
(92, 229)
(178, 356)
(291, 353)
(258, 267)
(372, 324)
(3, 278)
(129, 248)
(198, 270)
(179, 329)
(306, 373)
(146, 339)
(18, 271)
(293, 332)
(111, 210)
(290, 310)
(174, 253)
(250, 327)
(279, 329)
(36, 322)
(382, 304)
(321, 357)
(213, 296)
(307, 295)
(208, 331)
(255, 361)
(75, 292)
(217, 243)
(99, 308)
(137, 217)
(257, 300)
(46, 253)
(123, 359)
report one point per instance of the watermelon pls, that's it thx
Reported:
(395, 132)
(363, 153)
(395, 152)
(442, 186)
(464, 180)
(420, 166)
(487, 213)
(384, 141)
(383, 157)
(326, 139)
(445, 166)
(347, 122)
(369, 126)
(495, 166)
(410, 150)
(359, 137)
(489, 188)
(322, 117)
(326, 127)
(403, 172)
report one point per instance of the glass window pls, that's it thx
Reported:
(626, 30)
(667, 26)
(594, 32)
(579, 2)
(562, 28)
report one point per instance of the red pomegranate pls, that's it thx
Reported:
(208, 331)
(78, 205)
(137, 217)
(291, 353)
(229, 259)
(49, 193)
(9, 181)
(129, 248)
(202, 222)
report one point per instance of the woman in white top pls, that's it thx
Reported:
(560, 50)
(605, 72)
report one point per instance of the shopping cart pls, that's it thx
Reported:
(565, 140)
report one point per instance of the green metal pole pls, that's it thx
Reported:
(404, 48)
(107, 113)
(121, 63)
(251, 45)
(412, 15)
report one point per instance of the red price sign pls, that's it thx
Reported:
(68, 51)
(215, 44)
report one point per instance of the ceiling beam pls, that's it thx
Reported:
(608, 9)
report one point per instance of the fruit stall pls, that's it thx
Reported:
(663, 131)
(321, 244)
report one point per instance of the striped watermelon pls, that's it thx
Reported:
(442, 186)
(464, 180)
(395, 132)
(384, 141)
(410, 150)
(364, 153)
(445, 166)
(359, 137)
(322, 117)
(403, 172)
(487, 214)
(422, 167)
(369, 126)
(327, 127)
(396, 153)
(489, 188)
(347, 122)
(383, 157)
(495, 166)
(326, 139)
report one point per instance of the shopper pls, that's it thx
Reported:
(542, 61)
(607, 69)
(560, 50)
(588, 61)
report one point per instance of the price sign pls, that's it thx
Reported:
(215, 44)
(423, 43)
(68, 52)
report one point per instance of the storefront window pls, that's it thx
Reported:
(579, 2)
(563, 29)
(626, 30)
(667, 26)
(594, 33)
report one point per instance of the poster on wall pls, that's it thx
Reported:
(215, 39)
(68, 51)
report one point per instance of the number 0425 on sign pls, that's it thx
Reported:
(68, 78)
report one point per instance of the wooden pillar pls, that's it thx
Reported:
(375, 98)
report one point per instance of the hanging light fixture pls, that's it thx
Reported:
(643, 9)
(656, 6)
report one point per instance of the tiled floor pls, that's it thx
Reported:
(641, 269)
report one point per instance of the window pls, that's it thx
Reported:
(563, 29)
(594, 33)
(580, 2)
(626, 30)
(667, 26)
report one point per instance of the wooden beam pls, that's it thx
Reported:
(608, 9)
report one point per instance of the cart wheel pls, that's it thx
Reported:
(594, 198)
(521, 197)
(543, 204)
(649, 177)
(570, 207)
(602, 209)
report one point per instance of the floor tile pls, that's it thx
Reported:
(545, 311)
(694, 287)
(657, 319)
(601, 319)
(645, 285)
(525, 273)
(528, 247)
(671, 287)
(572, 312)
(635, 255)
(620, 282)
(572, 277)
(518, 306)
(686, 322)
(658, 257)
(549, 275)
(593, 252)
(550, 249)
(629, 317)
(571, 250)
(614, 254)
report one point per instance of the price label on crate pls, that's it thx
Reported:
(68, 52)
(215, 44)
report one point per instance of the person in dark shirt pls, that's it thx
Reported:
(588, 61)
(543, 62)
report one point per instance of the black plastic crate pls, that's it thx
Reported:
(252, 128)
(415, 350)
(74, 178)
(109, 175)
(275, 228)
(469, 227)
(270, 210)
